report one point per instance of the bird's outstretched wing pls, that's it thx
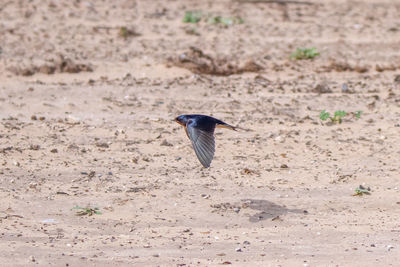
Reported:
(203, 144)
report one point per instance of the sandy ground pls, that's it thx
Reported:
(88, 93)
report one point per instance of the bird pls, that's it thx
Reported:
(200, 130)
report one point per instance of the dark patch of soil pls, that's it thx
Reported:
(198, 62)
(60, 66)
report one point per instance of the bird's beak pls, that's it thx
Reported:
(179, 122)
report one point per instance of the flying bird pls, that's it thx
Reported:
(200, 130)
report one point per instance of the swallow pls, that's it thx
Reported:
(200, 130)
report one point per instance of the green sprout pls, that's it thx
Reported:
(195, 16)
(86, 211)
(324, 115)
(192, 16)
(305, 53)
(227, 21)
(361, 190)
(337, 116)
(125, 32)
(358, 114)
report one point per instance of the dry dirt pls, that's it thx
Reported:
(89, 90)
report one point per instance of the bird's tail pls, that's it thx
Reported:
(225, 125)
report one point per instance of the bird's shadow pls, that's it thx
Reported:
(268, 209)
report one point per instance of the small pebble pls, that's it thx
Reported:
(166, 143)
(345, 88)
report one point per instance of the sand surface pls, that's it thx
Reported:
(88, 93)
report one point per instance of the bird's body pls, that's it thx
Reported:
(200, 130)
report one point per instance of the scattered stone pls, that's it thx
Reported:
(102, 145)
(249, 171)
(136, 189)
(33, 185)
(346, 89)
(54, 150)
(322, 88)
(34, 147)
(166, 143)
(276, 218)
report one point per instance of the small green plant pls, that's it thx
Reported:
(337, 116)
(305, 53)
(227, 21)
(358, 114)
(196, 16)
(192, 16)
(361, 190)
(124, 32)
(324, 115)
(86, 211)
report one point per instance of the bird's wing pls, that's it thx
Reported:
(203, 144)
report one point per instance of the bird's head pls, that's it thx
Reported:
(182, 120)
